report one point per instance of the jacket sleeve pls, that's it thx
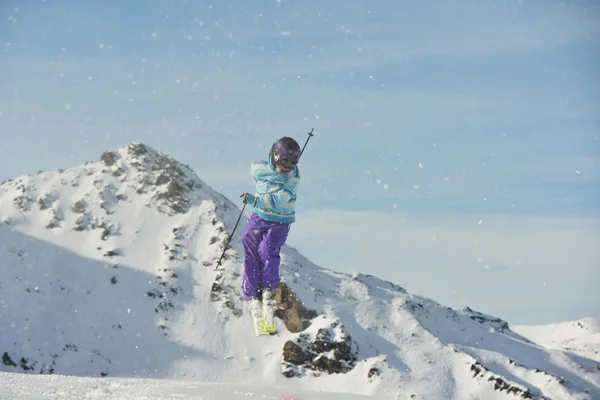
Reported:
(253, 171)
(287, 193)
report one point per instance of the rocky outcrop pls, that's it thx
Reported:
(325, 348)
(497, 324)
(501, 385)
(173, 184)
(109, 158)
(45, 201)
(291, 311)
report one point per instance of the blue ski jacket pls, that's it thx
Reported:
(276, 192)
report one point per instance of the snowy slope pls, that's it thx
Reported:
(108, 270)
(56, 387)
(580, 337)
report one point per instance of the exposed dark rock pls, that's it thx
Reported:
(162, 180)
(307, 353)
(225, 296)
(118, 172)
(496, 323)
(82, 223)
(500, 384)
(374, 371)
(109, 158)
(175, 195)
(329, 365)
(113, 253)
(145, 183)
(165, 306)
(161, 162)
(25, 364)
(323, 341)
(289, 373)
(170, 272)
(155, 293)
(170, 182)
(53, 221)
(235, 311)
(70, 347)
(137, 149)
(23, 202)
(295, 316)
(342, 350)
(46, 201)
(294, 354)
(215, 291)
(6, 360)
(79, 206)
(51, 225)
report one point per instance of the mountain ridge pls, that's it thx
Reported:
(116, 260)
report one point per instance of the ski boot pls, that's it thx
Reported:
(255, 307)
(268, 312)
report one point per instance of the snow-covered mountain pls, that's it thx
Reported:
(109, 270)
(580, 337)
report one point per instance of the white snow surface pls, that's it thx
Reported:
(34, 387)
(580, 337)
(109, 289)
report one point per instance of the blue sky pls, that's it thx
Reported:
(457, 141)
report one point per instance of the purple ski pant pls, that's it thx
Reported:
(262, 242)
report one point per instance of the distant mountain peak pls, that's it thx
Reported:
(171, 183)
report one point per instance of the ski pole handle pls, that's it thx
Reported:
(310, 134)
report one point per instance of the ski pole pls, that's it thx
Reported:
(229, 240)
(310, 134)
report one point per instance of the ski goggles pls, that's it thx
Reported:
(284, 162)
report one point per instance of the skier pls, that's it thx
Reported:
(267, 229)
